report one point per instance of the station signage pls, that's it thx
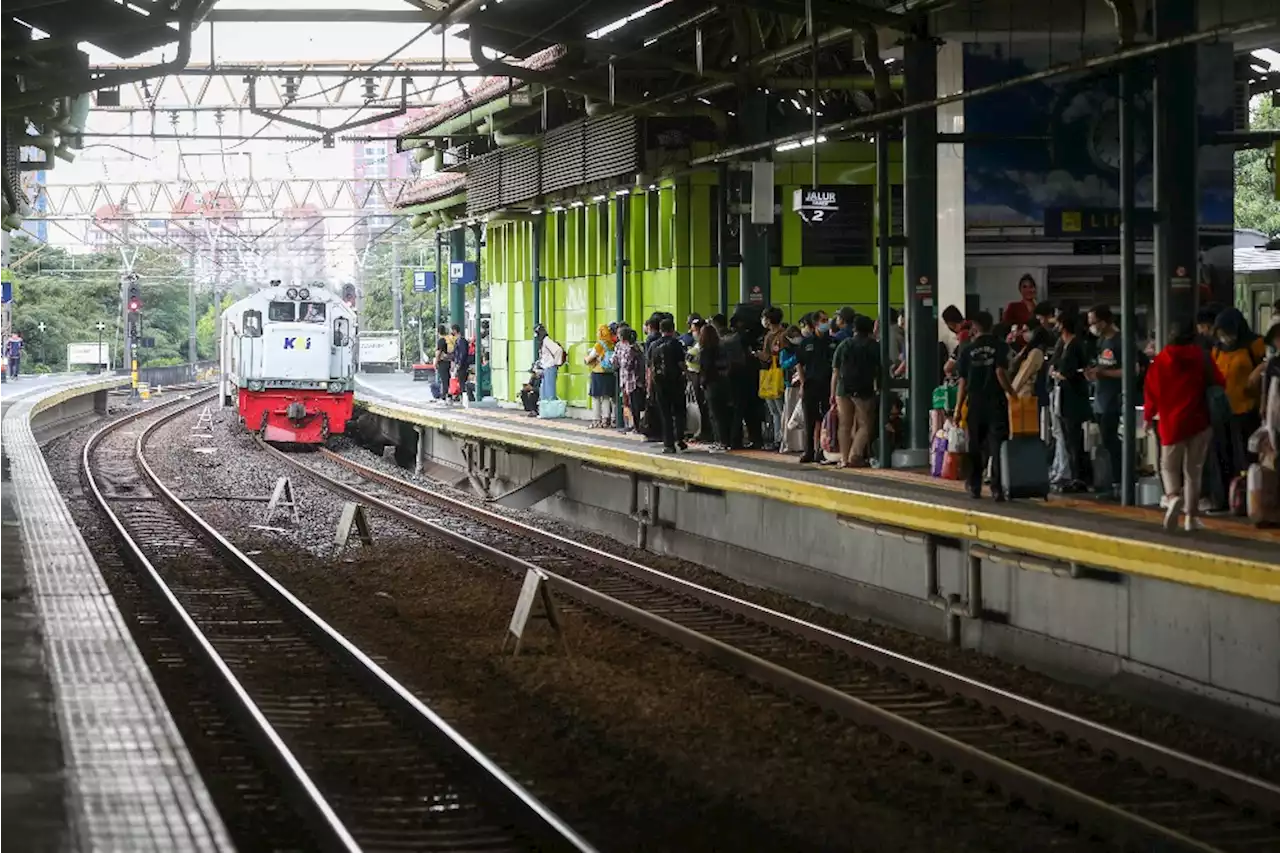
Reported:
(819, 205)
(1091, 222)
(424, 281)
(462, 272)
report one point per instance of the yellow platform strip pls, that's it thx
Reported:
(1221, 572)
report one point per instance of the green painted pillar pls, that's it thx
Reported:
(457, 292)
(619, 281)
(1128, 79)
(538, 225)
(753, 240)
(920, 195)
(1177, 188)
(442, 271)
(483, 388)
(721, 210)
(884, 227)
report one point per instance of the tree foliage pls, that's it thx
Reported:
(1256, 203)
(70, 294)
(378, 278)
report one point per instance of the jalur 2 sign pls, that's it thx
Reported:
(817, 205)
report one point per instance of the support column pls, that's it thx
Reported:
(722, 238)
(539, 225)
(1128, 79)
(457, 292)
(192, 342)
(1177, 185)
(442, 270)
(884, 226)
(620, 282)
(920, 194)
(397, 302)
(753, 240)
(481, 387)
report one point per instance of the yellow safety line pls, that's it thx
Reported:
(1236, 575)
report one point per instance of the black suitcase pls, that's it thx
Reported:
(1024, 471)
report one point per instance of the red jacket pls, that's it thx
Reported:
(1175, 390)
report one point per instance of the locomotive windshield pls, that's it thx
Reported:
(281, 312)
(312, 312)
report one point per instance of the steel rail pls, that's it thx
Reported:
(1239, 788)
(304, 793)
(501, 793)
(1089, 811)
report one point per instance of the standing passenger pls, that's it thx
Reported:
(814, 354)
(604, 382)
(856, 366)
(550, 356)
(666, 362)
(1176, 386)
(1072, 390)
(1106, 374)
(984, 384)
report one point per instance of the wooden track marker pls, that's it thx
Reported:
(535, 589)
(353, 516)
(282, 498)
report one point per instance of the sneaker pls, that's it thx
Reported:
(668, 450)
(1000, 497)
(682, 446)
(1192, 524)
(1173, 507)
(717, 448)
(806, 460)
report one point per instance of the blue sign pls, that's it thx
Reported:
(462, 272)
(424, 281)
(8, 292)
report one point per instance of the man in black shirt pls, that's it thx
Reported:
(1106, 373)
(856, 366)
(1072, 391)
(984, 385)
(814, 355)
(442, 358)
(666, 365)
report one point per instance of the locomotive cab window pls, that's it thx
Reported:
(251, 321)
(312, 312)
(341, 332)
(281, 312)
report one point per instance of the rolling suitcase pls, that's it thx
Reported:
(1024, 471)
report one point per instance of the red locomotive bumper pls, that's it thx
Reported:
(299, 417)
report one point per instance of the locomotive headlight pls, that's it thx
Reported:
(303, 293)
(256, 385)
(335, 387)
(292, 293)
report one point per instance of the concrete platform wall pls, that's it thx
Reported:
(1096, 627)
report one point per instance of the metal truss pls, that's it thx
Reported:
(230, 198)
(290, 86)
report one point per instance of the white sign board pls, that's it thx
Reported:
(90, 353)
(382, 349)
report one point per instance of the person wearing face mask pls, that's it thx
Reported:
(768, 355)
(1106, 373)
(788, 359)
(815, 354)
(843, 329)
(1240, 355)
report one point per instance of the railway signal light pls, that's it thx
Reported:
(135, 298)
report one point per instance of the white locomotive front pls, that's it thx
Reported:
(288, 362)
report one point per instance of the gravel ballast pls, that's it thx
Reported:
(639, 745)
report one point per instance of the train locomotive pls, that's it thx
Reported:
(288, 363)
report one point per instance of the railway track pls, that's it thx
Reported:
(1099, 780)
(364, 764)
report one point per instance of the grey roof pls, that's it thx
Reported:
(1256, 260)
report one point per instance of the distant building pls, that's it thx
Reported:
(378, 160)
(301, 258)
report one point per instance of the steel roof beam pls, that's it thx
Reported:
(830, 11)
(318, 16)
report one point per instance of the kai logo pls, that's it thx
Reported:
(292, 343)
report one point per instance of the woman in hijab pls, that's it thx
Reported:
(1241, 357)
(604, 382)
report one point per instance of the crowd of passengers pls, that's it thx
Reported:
(753, 381)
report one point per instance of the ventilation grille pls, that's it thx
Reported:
(521, 174)
(597, 149)
(484, 183)
(564, 157)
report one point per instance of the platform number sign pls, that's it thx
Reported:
(462, 272)
(424, 281)
(817, 206)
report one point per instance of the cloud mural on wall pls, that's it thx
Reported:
(1068, 151)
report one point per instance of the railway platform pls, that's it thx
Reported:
(1229, 555)
(1093, 591)
(92, 758)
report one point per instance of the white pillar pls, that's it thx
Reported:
(951, 225)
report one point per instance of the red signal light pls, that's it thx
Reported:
(134, 305)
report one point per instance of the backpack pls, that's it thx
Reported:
(606, 361)
(668, 361)
(733, 356)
